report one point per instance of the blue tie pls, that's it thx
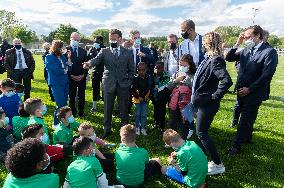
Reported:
(75, 52)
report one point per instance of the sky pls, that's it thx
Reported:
(150, 17)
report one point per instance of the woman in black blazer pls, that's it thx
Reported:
(211, 82)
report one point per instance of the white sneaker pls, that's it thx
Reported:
(137, 131)
(190, 133)
(55, 126)
(210, 164)
(215, 169)
(143, 132)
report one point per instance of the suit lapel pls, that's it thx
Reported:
(256, 54)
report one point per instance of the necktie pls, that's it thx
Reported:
(20, 61)
(75, 52)
(116, 53)
(252, 51)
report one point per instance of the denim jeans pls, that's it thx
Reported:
(141, 114)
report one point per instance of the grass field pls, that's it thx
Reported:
(259, 164)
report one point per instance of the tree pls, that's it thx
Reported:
(63, 33)
(104, 33)
(229, 34)
(7, 21)
(22, 32)
(274, 41)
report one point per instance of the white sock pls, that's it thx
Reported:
(94, 104)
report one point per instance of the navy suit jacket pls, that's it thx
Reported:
(213, 79)
(148, 59)
(77, 62)
(255, 71)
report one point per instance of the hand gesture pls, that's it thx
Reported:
(86, 65)
(141, 54)
(179, 78)
(240, 39)
(68, 54)
(243, 91)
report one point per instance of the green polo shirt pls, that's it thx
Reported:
(130, 165)
(38, 180)
(19, 123)
(39, 120)
(83, 172)
(64, 134)
(191, 158)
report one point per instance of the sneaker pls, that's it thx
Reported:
(138, 131)
(93, 109)
(190, 133)
(216, 169)
(55, 126)
(167, 146)
(143, 132)
(210, 164)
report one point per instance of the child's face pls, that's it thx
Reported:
(88, 151)
(68, 114)
(141, 70)
(40, 134)
(183, 63)
(159, 69)
(87, 132)
(7, 89)
(39, 111)
(3, 116)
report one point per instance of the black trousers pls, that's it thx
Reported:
(160, 108)
(249, 111)
(23, 77)
(73, 88)
(205, 116)
(108, 163)
(96, 85)
(122, 95)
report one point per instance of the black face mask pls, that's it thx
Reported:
(113, 45)
(173, 46)
(18, 46)
(185, 35)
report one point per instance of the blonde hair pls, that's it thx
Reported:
(171, 136)
(212, 41)
(127, 133)
(134, 32)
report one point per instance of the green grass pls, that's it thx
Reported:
(258, 165)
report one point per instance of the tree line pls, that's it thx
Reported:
(11, 27)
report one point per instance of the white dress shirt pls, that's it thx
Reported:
(173, 62)
(192, 48)
(24, 65)
(134, 56)
(113, 50)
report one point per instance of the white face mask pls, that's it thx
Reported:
(44, 138)
(93, 137)
(249, 43)
(74, 43)
(183, 69)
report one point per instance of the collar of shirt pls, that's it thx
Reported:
(19, 51)
(113, 49)
(257, 46)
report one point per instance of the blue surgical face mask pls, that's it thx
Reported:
(43, 109)
(44, 138)
(21, 94)
(97, 45)
(6, 121)
(74, 43)
(10, 93)
(137, 42)
(71, 119)
(183, 69)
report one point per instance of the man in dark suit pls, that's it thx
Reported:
(5, 46)
(77, 75)
(20, 65)
(97, 72)
(258, 63)
(117, 78)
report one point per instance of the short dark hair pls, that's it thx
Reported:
(115, 31)
(61, 113)
(173, 36)
(22, 111)
(31, 131)
(19, 88)
(161, 63)
(190, 24)
(8, 83)
(24, 156)
(143, 64)
(81, 144)
(99, 38)
(189, 59)
(257, 30)
(32, 104)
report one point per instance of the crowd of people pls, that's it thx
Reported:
(190, 79)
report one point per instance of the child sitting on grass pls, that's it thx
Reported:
(9, 100)
(189, 164)
(25, 162)
(63, 133)
(56, 152)
(36, 109)
(132, 163)
(6, 139)
(106, 159)
(20, 122)
(86, 170)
